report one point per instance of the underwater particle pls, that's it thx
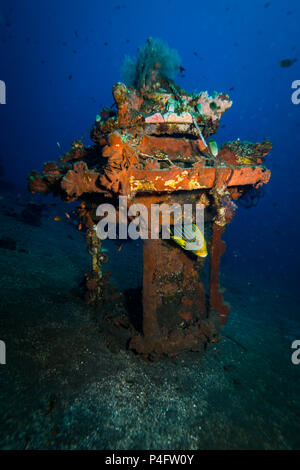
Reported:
(287, 62)
(105, 44)
(267, 4)
(70, 76)
(231, 89)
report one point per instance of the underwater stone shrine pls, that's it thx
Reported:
(152, 147)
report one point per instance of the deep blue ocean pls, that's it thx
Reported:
(62, 387)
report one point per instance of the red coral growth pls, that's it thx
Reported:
(121, 156)
(51, 172)
(115, 180)
(44, 183)
(85, 215)
(171, 146)
(80, 180)
(75, 153)
(51, 167)
(129, 103)
(37, 183)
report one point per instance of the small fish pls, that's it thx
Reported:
(287, 62)
(58, 145)
(57, 218)
(67, 215)
(120, 247)
(190, 238)
(213, 147)
(79, 226)
(201, 145)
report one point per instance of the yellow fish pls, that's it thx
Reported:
(190, 238)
